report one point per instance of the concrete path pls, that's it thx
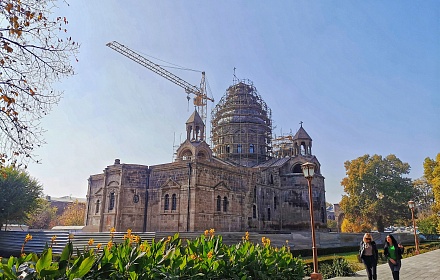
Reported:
(425, 266)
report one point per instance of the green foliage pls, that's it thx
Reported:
(429, 224)
(204, 258)
(376, 191)
(43, 217)
(331, 224)
(338, 267)
(19, 195)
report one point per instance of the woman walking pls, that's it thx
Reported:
(393, 252)
(369, 255)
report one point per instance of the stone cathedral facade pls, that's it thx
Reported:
(245, 181)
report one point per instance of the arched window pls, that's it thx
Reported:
(239, 148)
(174, 202)
(297, 168)
(303, 148)
(255, 194)
(254, 211)
(275, 202)
(225, 204)
(251, 148)
(111, 205)
(97, 206)
(228, 149)
(268, 214)
(167, 202)
(219, 203)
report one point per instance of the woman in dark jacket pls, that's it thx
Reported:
(393, 252)
(369, 255)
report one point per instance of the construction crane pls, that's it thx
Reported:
(200, 96)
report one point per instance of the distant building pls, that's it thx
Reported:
(246, 181)
(62, 202)
(330, 213)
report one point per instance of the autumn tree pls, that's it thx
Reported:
(35, 52)
(44, 217)
(431, 171)
(19, 194)
(377, 192)
(73, 215)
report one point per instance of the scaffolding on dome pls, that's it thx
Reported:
(241, 125)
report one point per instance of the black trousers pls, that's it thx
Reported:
(395, 268)
(370, 265)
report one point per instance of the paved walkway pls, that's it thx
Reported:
(425, 266)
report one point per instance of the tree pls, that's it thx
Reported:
(431, 171)
(432, 174)
(73, 215)
(423, 195)
(35, 52)
(377, 193)
(19, 195)
(44, 217)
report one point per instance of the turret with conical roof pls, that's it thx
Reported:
(302, 142)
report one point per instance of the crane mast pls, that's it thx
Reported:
(200, 97)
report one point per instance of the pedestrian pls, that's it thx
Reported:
(393, 252)
(369, 255)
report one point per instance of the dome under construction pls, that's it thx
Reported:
(242, 126)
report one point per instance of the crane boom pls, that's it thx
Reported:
(199, 92)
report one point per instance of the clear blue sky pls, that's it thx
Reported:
(363, 76)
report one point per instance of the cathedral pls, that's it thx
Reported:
(246, 180)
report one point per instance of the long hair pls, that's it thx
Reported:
(393, 241)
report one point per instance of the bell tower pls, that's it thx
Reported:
(195, 128)
(302, 143)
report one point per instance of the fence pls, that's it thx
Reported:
(11, 241)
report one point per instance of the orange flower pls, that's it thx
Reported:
(99, 246)
(27, 238)
(210, 253)
(109, 244)
(246, 236)
(143, 247)
(91, 241)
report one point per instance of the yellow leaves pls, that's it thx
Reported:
(32, 92)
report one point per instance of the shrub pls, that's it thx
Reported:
(170, 258)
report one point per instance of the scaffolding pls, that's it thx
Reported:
(283, 146)
(241, 125)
